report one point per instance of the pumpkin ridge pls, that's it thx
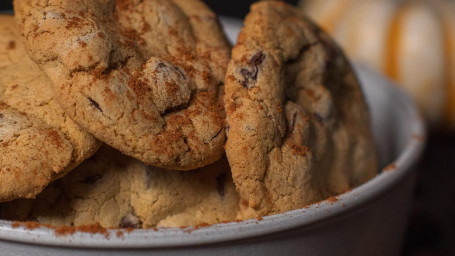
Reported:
(394, 38)
(411, 42)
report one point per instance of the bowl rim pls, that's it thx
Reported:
(228, 232)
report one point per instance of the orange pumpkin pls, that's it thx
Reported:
(412, 42)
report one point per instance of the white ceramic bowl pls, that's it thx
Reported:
(369, 220)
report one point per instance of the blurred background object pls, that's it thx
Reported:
(410, 41)
(413, 43)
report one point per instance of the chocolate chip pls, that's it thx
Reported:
(220, 182)
(257, 59)
(92, 179)
(250, 74)
(292, 124)
(95, 104)
(1, 115)
(130, 221)
(161, 65)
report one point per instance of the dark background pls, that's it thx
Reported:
(5, 5)
(237, 8)
(431, 228)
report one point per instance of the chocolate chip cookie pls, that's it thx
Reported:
(38, 142)
(297, 123)
(11, 50)
(118, 191)
(142, 76)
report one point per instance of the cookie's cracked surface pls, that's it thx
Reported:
(31, 154)
(38, 143)
(142, 76)
(298, 124)
(118, 191)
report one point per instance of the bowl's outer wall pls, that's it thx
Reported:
(375, 229)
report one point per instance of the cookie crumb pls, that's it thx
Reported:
(332, 199)
(92, 229)
(119, 234)
(390, 167)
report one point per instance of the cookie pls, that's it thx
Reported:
(31, 154)
(142, 76)
(115, 190)
(38, 142)
(298, 125)
(11, 50)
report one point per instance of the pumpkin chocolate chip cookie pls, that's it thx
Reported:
(297, 124)
(11, 48)
(38, 142)
(31, 154)
(115, 190)
(142, 76)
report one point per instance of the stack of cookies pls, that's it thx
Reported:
(133, 113)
